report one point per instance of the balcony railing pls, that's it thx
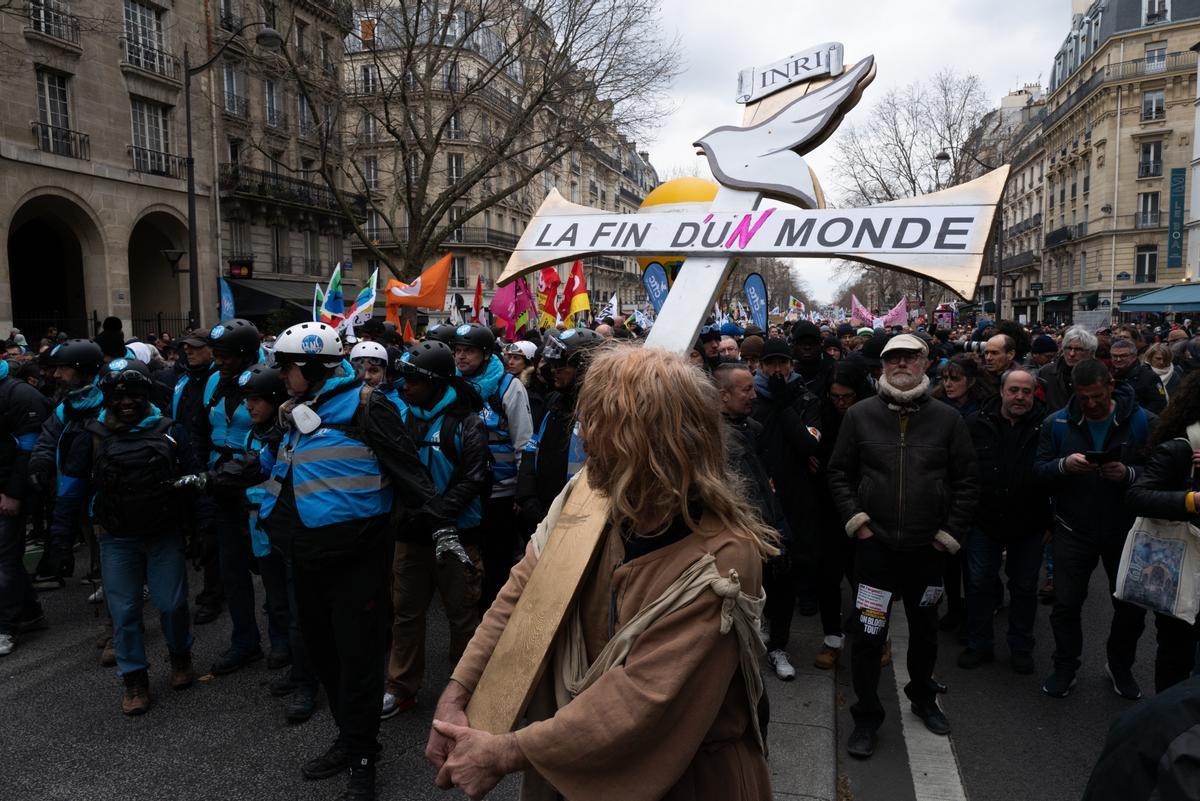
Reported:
(231, 22)
(1060, 236)
(1147, 219)
(1154, 113)
(50, 21)
(260, 183)
(312, 266)
(1018, 260)
(283, 264)
(467, 235)
(1149, 169)
(236, 105)
(155, 162)
(276, 118)
(1185, 60)
(605, 263)
(62, 141)
(151, 59)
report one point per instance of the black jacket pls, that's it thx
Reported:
(817, 374)
(745, 441)
(23, 410)
(1055, 379)
(1146, 387)
(1012, 505)
(1085, 501)
(1163, 483)
(471, 474)
(543, 470)
(189, 410)
(911, 472)
(791, 434)
(68, 419)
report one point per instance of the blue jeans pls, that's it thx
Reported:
(233, 544)
(126, 563)
(1024, 560)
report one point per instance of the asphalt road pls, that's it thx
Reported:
(1011, 742)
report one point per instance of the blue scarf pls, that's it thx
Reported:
(429, 414)
(487, 382)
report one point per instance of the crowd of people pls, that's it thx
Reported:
(359, 476)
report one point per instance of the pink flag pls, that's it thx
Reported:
(898, 315)
(524, 309)
(504, 308)
(859, 311)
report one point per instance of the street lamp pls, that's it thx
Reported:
(268, 39)
(943, 156)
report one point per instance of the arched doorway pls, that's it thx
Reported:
(49, 242)
(154, 288)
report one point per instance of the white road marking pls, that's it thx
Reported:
(931, 759)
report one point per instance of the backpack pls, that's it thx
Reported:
(448, 435)
(130, 474)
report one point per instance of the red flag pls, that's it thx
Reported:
(575, 295)
(547, 296)
(478, 298)
(409, 336)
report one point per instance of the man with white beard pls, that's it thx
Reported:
(902, 475)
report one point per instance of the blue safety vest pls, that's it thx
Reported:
(228, 431)
(504, 455)
(180, 386)
(434, 457)
(257, 449)
(335, 475)
(576, 455)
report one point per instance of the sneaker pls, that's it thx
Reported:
(1046, 593)
(827, 658)
(182, 674)
(1022, 663)
(782, 665)
(1060, 683)
(7, 644)
(1123, 683)
(885, 658)
(34, 620)
(48, 580)
(328, 764)
(972, 658)
(361, 786)
(393, 705)
(301, 705)
(861, 743)
(233, 660)
(97, 597)
(136, 700)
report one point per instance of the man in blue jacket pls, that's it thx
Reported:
(1088, 454)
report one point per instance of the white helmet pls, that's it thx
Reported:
(309, 343)
(369, 350)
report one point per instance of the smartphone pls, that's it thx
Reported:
(1103, 457)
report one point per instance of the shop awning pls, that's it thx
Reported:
(254, 297)
(1178, 298)
(1055, 298)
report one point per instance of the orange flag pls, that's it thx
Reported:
(427, 292)
(478, 298)
(409, 336)
(575, 295)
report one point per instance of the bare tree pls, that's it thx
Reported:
(778, 277)
(454, 106)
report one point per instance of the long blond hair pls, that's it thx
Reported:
(652, 427)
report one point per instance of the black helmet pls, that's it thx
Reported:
(395, 362)
(126, 377)
(476, 336)
(82, 354)
(237, 337)
(570, 346)
(433, 361)
(440, 333)
(263, 381)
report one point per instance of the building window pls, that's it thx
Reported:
(450, 76)
(151, 140)
(1156, 58)
(455, 166)
(373, 226)
(1157, 11)
(302, 51)
(1147, 213)
(371, 172)
(273, 100)
(269, 13)
(304, 115)
(239, 239)
(366, 128)
(54, 118)
(458, 271)
(1154, 104)
(454, 127)
(1147, 264)
(279, 247)
(456, 215)
(235, 151)
(143, 36)
(368, 79)
(232, 82)
(1150, 161)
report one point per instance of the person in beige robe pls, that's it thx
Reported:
(675, 718)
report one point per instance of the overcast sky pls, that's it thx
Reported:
(1007, 44)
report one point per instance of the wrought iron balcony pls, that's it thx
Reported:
(1147, 219)
(155, 162)
(49, 18)
(1149, 169)
(236, 179)
(62, 141)
(236, 105)
(276, 118)
(143, 56)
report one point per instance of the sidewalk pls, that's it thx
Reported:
(802, 736)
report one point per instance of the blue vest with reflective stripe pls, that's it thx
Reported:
(499, 440)
(576, 455)
(257, 449)
(335, 476)
(228, 433)
(440, 466)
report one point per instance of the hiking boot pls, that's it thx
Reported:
(972, 658)
(278, 658)
(782, 665)
(7, 644)
(1022, 663)
(136, 700)
(1123, 683)
(108, 657)
(932, 716)
(393, 705)
(361, 786)
(301, 704)
(282, 685)
(234, 660)
(1060, 683)
(861, 744)
(885, 658)
(827, 657)
(206, 614)
(182, 674)
(328, 764)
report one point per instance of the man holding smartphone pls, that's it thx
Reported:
(1088, 454)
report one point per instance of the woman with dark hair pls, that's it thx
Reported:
(835, 551)
(1166, 489)
(962, 384)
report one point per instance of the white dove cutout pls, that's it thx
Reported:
(769, 157)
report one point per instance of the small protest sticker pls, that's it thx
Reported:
(869, 597)
(932, 596)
